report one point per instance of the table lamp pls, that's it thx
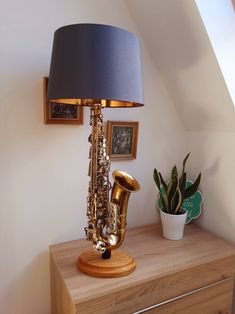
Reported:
(99, 66)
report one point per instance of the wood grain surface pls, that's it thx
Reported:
(164, 270)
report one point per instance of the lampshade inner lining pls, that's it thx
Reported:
(91, 102)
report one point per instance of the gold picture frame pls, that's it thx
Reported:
(55, 113)
(122, 137)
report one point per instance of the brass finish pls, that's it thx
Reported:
(106, 219)
(124, 184)
(99, 186)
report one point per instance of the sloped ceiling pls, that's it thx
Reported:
(177, 39)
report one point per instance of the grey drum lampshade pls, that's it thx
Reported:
(94, 63)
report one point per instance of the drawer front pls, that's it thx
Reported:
(140, 296)
(212, 299)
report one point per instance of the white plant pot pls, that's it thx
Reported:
(173, 225)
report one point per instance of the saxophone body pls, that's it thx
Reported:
(106, 215)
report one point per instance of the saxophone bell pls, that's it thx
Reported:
(123, 185)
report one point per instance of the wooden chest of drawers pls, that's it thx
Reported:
(194, 275)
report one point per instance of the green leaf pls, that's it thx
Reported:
(178, 206)
(192, 188)
(182, 185)
(172, 189)
(174, 174)
(184, 163)
(164, 202)
(163, 182)
(172, 192)
(156, 178)
(174, 202)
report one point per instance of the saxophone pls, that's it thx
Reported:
(106, 218)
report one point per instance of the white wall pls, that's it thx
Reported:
(179, 43)
(214, 152)
(43, 168)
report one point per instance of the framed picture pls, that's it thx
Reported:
(56, 113)
(122, 139)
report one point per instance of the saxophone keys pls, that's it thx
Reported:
(89, 169)
(89, 153)
(90, 138)
(112, 239)
(100, 246)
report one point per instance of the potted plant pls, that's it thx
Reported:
(172, 195)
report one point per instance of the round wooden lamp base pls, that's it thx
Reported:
(119, 265)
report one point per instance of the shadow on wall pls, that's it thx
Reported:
(180, 46)
(218, 217)
(32, 285)
(200, 117)
(211, 159)
(169, 32)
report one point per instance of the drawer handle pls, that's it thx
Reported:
(184, 295)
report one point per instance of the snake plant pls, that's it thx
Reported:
(173, 193)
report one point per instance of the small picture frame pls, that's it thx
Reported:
(57, 113)
(122, 137)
